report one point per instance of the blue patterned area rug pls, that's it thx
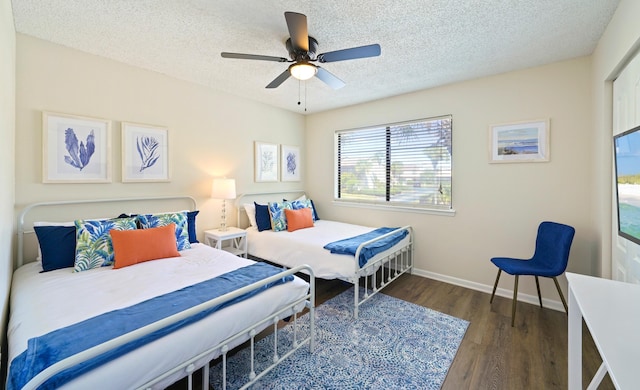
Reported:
(393, 345)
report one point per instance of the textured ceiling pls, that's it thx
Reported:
(425, 43)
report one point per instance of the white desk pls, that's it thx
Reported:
(611, 310)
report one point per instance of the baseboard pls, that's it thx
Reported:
(532, 299)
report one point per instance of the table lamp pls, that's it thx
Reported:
(223, 189)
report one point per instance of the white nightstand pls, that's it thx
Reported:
(237, 240)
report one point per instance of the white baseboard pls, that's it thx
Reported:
(532, 299)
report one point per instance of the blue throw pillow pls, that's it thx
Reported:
(263, 218)
(191, 226)
(57, 245)
(315, 211)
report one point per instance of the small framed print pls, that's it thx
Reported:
(145, 153)
(290, 164)
(266, 162)
(76, 149)
(519, 142)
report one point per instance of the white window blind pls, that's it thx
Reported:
(403, 164)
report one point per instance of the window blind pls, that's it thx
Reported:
(404, 164)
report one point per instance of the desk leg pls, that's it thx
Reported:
(575, 343)
(595, 382)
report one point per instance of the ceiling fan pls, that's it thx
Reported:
(302, 51)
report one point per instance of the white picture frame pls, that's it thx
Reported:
(290, 163)
(145, 153)
(265, 162)
(76, 149)
(519, 142)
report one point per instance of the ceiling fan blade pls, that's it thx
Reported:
(329, 78)
(350, 54)
(297, 24)
(252, 57)
(279, 80)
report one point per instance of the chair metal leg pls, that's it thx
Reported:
(538, 287)
(495, 285)
(515, 298)
(564, 303)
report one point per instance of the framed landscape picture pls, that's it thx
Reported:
(76, 149)
(145, 153)
(519, 142)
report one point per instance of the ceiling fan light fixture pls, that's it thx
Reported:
(303, 70)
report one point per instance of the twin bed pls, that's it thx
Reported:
(52, 313)
(391, 257)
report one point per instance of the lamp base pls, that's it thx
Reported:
(223, 222)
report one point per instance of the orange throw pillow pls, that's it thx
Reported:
(136, 246)
(298, 219)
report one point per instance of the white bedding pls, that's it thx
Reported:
(305, 246)
(42, 302)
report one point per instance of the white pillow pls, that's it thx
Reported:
(250, 209)
(303, 197)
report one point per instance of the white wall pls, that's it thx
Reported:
(498, 206)
(7, 164)
(210, 133)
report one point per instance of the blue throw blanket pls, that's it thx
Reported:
(59, 344)
(349, 246)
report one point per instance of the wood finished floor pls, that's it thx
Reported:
(493, 355)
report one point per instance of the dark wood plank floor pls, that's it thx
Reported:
(493, 355)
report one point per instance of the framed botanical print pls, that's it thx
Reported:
(266, 162)
(76, 149)
(145, 153)
(290, 164)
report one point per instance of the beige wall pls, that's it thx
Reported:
(7, 164)
(498, 206)
(618, 44)
(210, 133)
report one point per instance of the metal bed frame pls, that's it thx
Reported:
(391, 267)
(188, 367)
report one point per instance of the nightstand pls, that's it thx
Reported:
(237, 240)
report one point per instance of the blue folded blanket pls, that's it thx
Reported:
(46, 350)
(349, 246)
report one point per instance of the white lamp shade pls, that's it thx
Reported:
(303, 71)
(223, 189)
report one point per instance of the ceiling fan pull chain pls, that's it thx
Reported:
(299, 92)
(305, 96)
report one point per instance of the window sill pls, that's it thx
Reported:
(405, 209)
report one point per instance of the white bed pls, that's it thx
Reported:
(44, 301)
(306, 246)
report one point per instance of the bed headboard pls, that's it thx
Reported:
(261, 197)
(69, 210)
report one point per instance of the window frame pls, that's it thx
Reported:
(390, 204)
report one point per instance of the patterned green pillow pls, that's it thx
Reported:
(93, 241)
(157, 220)
(278, 217)
(304, 203)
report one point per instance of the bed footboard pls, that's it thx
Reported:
(190, 366)
(378, 273)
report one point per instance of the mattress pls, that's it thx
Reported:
(305, 246)
(43, 302)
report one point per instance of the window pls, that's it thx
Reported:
(404, 164)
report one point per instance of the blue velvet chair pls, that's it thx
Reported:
(550, 258)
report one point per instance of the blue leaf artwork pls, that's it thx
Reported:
(148, 151)
(291, 163)
(79, 155)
